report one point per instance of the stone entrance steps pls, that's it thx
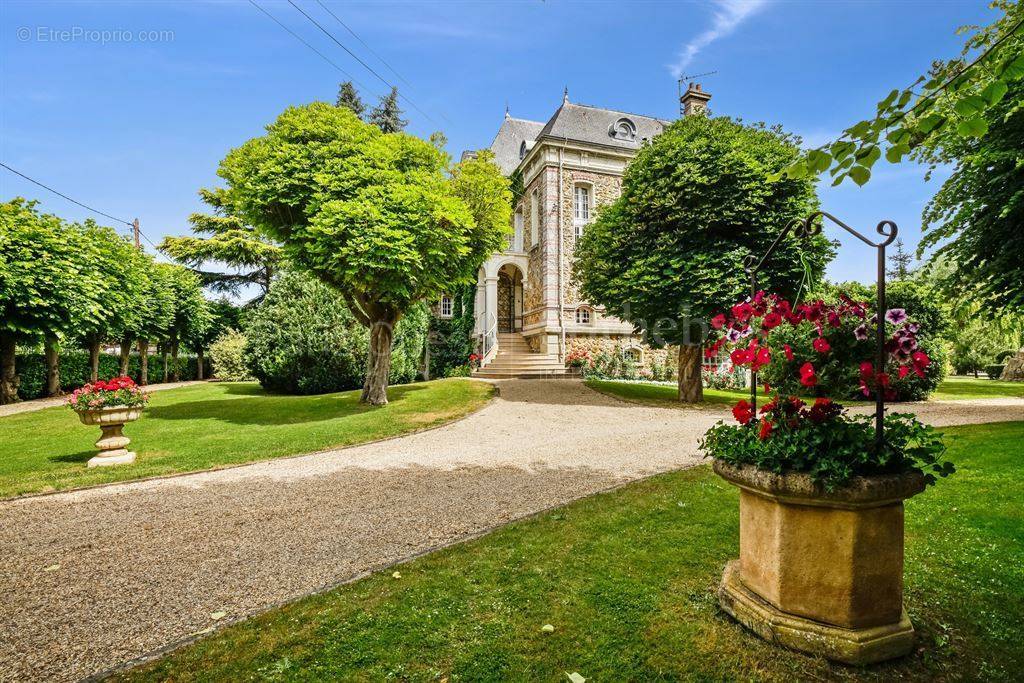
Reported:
(515, 360)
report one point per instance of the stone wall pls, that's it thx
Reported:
(605, 189)
(618, 344)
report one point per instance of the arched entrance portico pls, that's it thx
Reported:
(510, 298)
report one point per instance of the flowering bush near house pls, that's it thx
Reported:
(821, 439)
(120, 392)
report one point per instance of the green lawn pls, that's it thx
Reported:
(210, 425)
(969, 387)
(956, 388)
(627, 579)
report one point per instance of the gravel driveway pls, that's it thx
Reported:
(96, 578)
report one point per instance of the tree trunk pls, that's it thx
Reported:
(975, 373)
(51, 351)
(175, 375)
(199, 363)
(378, 364)
(94, 357)
(126, 354)
(143, 362)
(691, 388)
(9, 379)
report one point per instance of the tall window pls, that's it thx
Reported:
(446, 306)
(515, 242)
(581, 209)
(534, 217)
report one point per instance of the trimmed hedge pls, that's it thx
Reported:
(74, 370)
(994, 371)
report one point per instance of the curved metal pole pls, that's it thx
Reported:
(807, 227)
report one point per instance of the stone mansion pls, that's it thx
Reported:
(526, 300)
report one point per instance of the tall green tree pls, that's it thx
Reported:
(387, 115)
(348, 97)
(155, 314)
(976, 219)
(224, 315)
(224, 238)
(669, 253)
(372, 214)
(899, 262)
(46, 288)
(191, 316)
(115, 265)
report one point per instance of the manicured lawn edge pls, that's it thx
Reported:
(326, 588)
(384, 603)
(494, 394)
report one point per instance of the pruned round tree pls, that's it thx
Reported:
(695, 202)
(375, 215)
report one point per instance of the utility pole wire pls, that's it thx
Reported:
(363, 42)
(356, 57)
(61, 194)
(370, 49)
(304, 42)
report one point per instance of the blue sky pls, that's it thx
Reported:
(135, 127)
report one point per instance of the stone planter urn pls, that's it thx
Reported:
(821, 571)
(113, 442)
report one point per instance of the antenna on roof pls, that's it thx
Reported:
(679, 86)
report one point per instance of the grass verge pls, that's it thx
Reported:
(962, 388)
(211, 425)
(627, 579)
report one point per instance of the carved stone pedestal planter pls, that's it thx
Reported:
(821, 572)
(112, 443)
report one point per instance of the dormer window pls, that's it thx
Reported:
(623, 129)
(522, 150)
(583, 315)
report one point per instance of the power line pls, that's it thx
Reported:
(61, 194)
(363, 42)
(304, 42)
(356, 57)
(370, 49)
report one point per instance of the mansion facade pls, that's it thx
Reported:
(569, 166)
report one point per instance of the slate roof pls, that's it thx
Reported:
(508, 140)
(575, 122)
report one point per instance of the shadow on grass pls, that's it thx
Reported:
(81, 456)
(274, 409)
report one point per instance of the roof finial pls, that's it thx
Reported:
(507, 115)
(565, 95)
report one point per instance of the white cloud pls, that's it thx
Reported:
(728, 15)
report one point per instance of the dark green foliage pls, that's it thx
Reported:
(451, 340)
(978, 214)
(695, 202)
(387, 115)
(74, 370)
(833, 451)
(302, 339)
(994, 371)
(348, 97)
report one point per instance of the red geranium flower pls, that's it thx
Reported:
(718, 322)
(807, 376)
(739, 357)
(765, 431)
(789, 352)
(743, 412)
(821, 345)
(771, 321)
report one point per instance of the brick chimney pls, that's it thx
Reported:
(694, 100)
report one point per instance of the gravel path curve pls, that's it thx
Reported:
(40, 403)
(95, 578)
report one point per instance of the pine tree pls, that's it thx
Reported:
(387, 116)
(348, 97)
(900, 261)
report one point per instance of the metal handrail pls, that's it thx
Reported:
(489, 341)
